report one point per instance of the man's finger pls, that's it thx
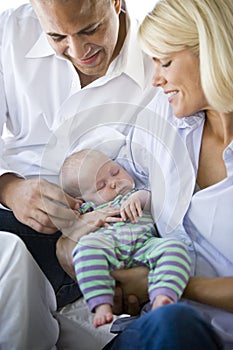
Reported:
(118, 302)
(133, 305)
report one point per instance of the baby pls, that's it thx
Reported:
(129, 242)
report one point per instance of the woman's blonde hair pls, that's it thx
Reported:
(206, 28)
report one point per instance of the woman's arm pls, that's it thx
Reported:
(217, 292)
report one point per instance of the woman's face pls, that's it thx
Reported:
(179, 76)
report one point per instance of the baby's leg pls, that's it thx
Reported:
(169, 265)
(103, 315)
(161, 300)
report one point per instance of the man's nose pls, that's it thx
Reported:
(76, 47)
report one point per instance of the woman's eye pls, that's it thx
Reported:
(165, 65)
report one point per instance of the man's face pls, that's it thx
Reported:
(84, 31)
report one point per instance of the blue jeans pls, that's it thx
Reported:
(170, 327)
(43, 249)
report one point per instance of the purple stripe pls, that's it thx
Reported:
(91, 279)
(175, 283)
(172, 263)
(163, 291)
(89, 268)
(168, 278)
(172, 243)
(171, 273)
(173, 254)
(97, 288)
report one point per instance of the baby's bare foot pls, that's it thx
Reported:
(161, 300)
(103, 315)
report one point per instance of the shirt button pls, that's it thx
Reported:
(228, 151)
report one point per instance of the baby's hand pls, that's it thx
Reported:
(131, 208)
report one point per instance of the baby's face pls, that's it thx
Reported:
(107, 181)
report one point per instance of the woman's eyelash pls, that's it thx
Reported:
(165, 65)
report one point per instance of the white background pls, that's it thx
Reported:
(136, 7)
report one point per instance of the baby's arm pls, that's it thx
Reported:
(132, 208)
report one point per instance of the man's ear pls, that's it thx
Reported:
(117, 5)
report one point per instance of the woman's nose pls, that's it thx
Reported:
(158, 78)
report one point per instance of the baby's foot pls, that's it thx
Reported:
(161, 300)
(103, 315)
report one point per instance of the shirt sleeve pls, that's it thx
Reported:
(3, 104)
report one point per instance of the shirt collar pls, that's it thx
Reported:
(41, 48)
(190, 122)
(130, 60)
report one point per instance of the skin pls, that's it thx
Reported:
(106, 179)
(168, 75)
(90, 43)
(179, 73)
(37, 203)
(100, 180)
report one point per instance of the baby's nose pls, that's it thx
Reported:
(113, 185)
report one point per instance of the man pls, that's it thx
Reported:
(59, 59)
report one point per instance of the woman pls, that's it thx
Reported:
(191, 43)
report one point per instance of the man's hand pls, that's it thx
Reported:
(131, 291)
(91, 221)
(38, 203)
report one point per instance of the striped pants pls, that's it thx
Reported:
(101, 252)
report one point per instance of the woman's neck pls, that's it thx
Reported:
(220, 126)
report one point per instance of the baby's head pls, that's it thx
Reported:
(92, 176)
